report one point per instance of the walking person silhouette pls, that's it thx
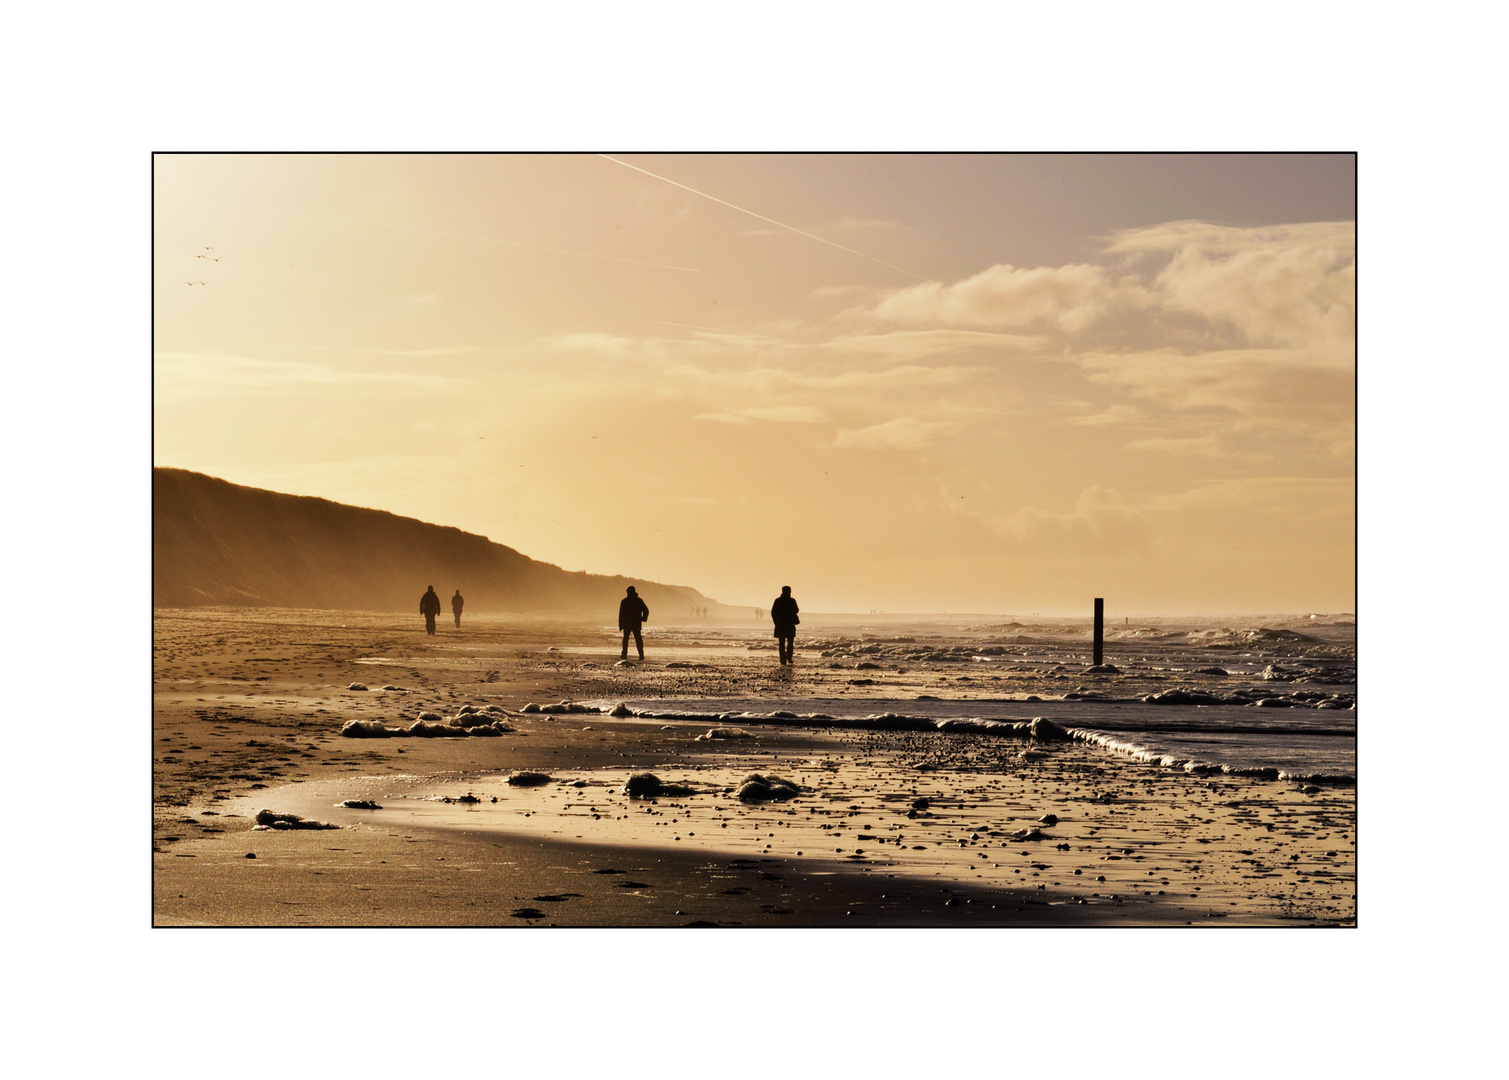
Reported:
(632, 613)
(429, 607)
(456, 604)
(783, 614)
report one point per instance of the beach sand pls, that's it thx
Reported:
(890, 829)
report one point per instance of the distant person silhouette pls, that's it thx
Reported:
(631, 616)
(429, 607)
(456, 605)
(783, 614)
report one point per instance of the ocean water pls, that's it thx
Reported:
(1274, 700)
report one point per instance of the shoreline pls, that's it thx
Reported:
(248, 707)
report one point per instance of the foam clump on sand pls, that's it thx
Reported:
(476, 723)
(724, 733)
(558, 708)
(435, 729)
(648, 786)
(267, 819)
(766, 787)
(430, 725)
(359, 804)
(1039, 729)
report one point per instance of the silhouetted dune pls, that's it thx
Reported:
(214, 542)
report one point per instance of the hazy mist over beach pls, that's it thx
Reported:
(925, 383)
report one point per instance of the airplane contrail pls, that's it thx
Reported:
(762, 217)
(459, 236)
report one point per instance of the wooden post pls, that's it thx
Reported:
(1100, 629)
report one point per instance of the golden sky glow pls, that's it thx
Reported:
(982, 383)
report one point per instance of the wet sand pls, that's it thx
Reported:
(890, 828)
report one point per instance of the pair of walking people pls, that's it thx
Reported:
(632, 612)
(429, 607)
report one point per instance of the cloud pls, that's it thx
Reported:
(724, 418)
(1102, 522)
(603, 344)
(1281, 388)
(1113, 416)
(917, 344)
(788, 414)
(1286, 285)
(1291, 497)
(772, 381)
(780, 414)
(182, 375)
(904, 433)
(1005, 297)
(437, 350)
(1212, 286)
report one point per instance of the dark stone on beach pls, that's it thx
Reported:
(357, 686)
(1183, 697)
(359, 804)
(1047, 731)
(528, 779)
(766, 787)
(1049, 819)
(1102, 669)
(920, 804)
(642, 786)
(251, 855)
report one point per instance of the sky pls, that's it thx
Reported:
(993, 383)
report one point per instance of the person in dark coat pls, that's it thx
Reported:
(783, 614)
(429, 607)
(632, 613)
(456, 605)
